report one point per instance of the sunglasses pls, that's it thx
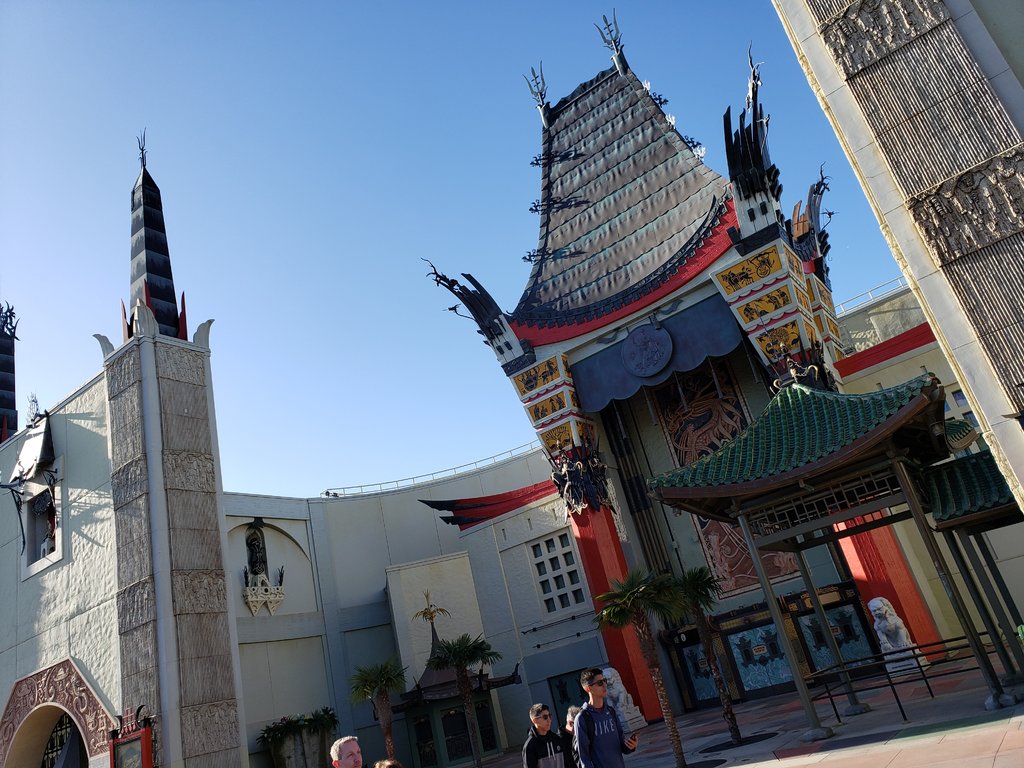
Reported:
(544, 716)
(599, 682)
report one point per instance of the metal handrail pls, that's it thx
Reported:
(408, 482)
(885, 289)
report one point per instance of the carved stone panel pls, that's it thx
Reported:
(123, 372)
(136, 605)
(187, 471)
(209, 728)
(973, 210)
(869, 30)
(174, 362)
(129, 482)
(62, 685)
(199, 591)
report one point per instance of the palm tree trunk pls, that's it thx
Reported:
(704, 630)
(467, 703)
(383, 704)
(650, 652)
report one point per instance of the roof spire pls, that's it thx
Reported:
(152, 281)
(8, 405)
(142, 147)
(612, 39)
(539, 91)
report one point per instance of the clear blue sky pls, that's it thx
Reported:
(309, 154)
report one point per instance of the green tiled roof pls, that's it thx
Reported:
(959, 434)
(965, 486)
(799, 426)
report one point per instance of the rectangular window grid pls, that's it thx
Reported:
(557, 574)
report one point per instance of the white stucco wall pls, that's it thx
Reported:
(68, 609)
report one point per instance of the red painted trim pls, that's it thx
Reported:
(716, 244)
(483, 508)
(907, 341)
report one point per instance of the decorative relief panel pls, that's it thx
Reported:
(136, 604)
(123, 372)
(209, 728)
(174, 362)
(189, 471)
(200, 591)
(976, 209)
(700, 411)
(63, 685)
(129, 482)
(869, 30)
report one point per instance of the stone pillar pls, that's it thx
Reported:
(177, 656)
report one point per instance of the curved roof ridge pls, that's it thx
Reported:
(818, 422)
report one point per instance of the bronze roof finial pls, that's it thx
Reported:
(142, 147)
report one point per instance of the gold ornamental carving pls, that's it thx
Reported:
(976, 209)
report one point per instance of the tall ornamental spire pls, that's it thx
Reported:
(152, 282)
(8, 409)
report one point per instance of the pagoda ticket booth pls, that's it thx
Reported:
(818, 466)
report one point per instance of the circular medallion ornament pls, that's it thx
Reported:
(646, 350)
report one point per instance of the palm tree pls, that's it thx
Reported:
(376, 682)
(700, 589)
(460, 654)
(634, 601)
(431, 612)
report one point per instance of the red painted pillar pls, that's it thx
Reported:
(603, 560)
(880, 569)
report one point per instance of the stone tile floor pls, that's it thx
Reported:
(952, 730)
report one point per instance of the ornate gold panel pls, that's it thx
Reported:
(766, 304)
(750, 271)
(546, 408)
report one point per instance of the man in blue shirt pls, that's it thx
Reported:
(600, 742)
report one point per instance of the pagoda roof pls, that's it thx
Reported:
(627, 211)
(805, 432)
(966, 490)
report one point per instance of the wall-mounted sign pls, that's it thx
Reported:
(131, 743)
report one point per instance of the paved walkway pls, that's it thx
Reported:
(953, 730)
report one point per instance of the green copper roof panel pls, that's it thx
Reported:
(959, 434)
(799, 426)
(964, 486)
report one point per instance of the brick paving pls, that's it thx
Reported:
(953, 730)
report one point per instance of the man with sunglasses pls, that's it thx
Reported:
(543, 748)
(600, 742)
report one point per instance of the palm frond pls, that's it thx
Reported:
(641, 593)
(462, 652)
(700, 589)
(371, 679)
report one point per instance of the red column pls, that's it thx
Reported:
(603, 560)
(880, 570)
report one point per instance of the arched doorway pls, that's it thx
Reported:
(48, 738)
(34, 711)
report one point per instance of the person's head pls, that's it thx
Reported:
(594, 684)
(570, 718)
(540, 716)
(387, 763)
(345, 753)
